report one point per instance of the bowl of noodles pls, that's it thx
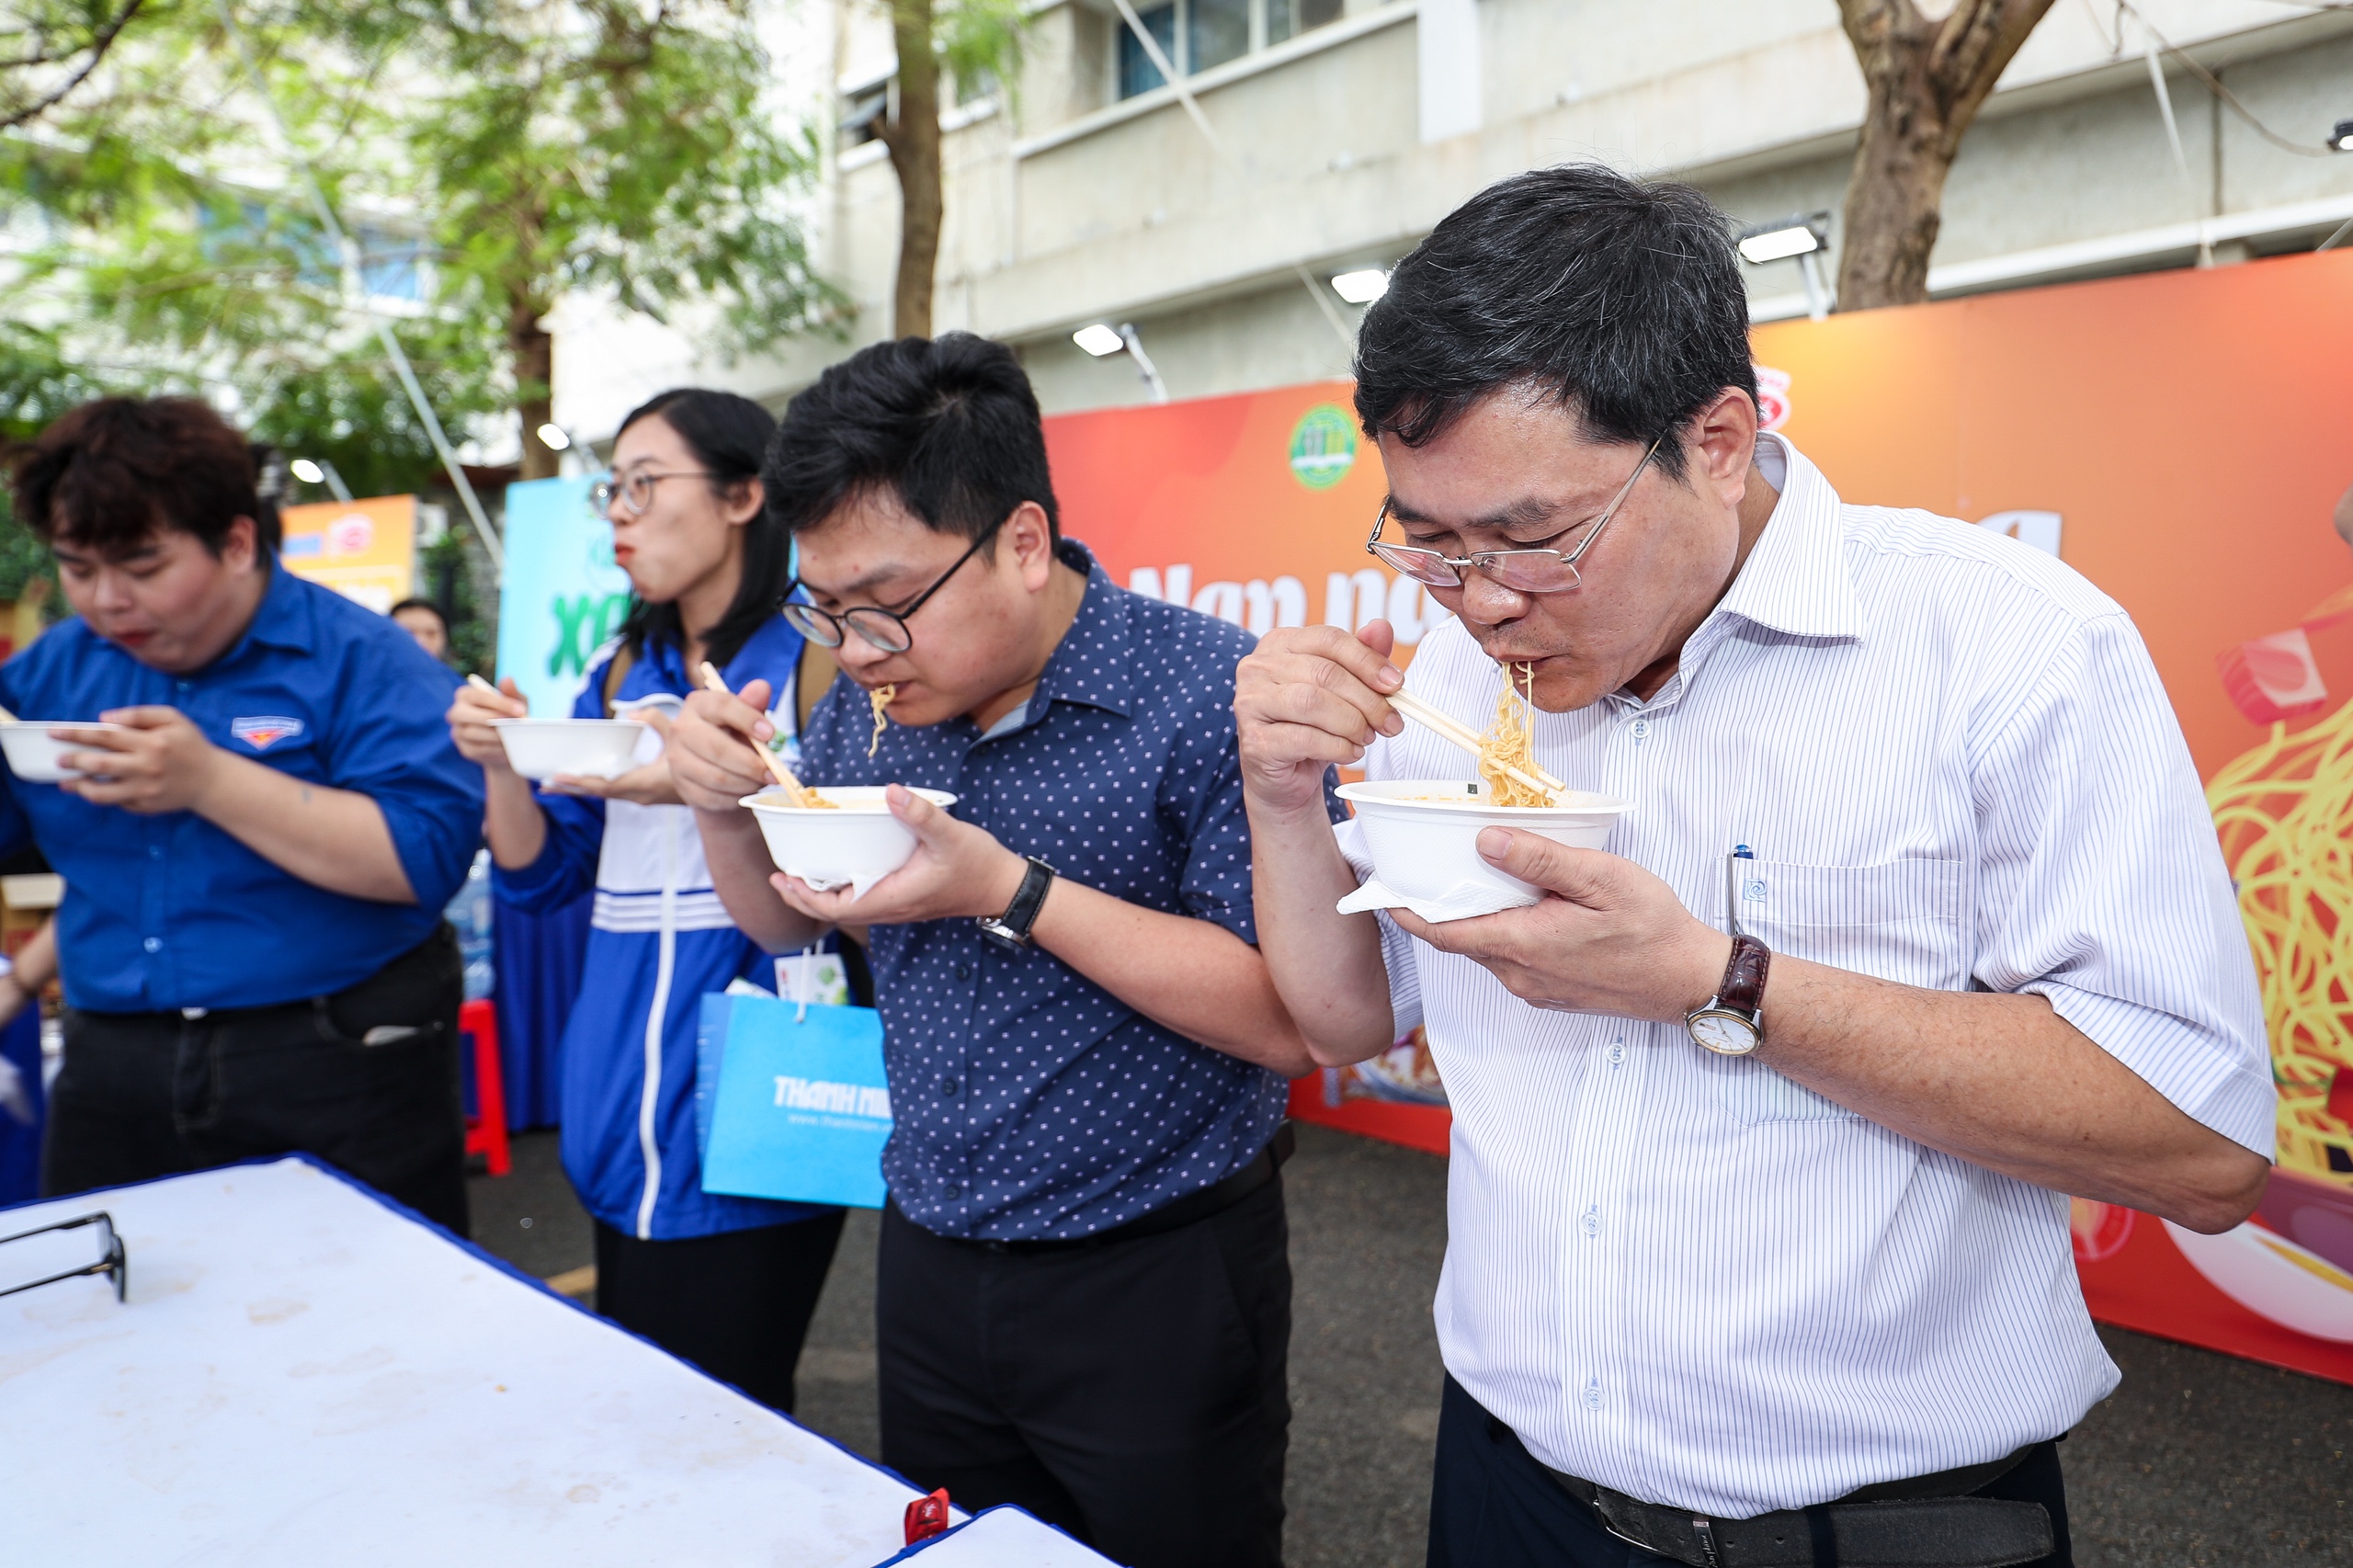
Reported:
(847, 837)
(1423, 834)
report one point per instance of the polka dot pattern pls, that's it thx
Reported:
(1028, 1102)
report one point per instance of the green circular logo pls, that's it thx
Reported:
(1322, 446)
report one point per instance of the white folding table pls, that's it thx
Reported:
(306, 1374)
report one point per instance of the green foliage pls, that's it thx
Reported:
(979, 42)
(520, 148)
(48, 47)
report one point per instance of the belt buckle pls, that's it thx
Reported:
(1703, 1529)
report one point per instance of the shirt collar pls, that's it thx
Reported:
(1090, 664)
(1796, 579)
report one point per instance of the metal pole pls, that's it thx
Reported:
(1145, 370)
(352, 287)
(335, 486)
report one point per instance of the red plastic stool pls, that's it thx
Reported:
(487, 1132)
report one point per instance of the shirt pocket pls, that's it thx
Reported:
(1900, 921)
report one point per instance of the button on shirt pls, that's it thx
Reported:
(1028, 1102)
(1692, 1280)
(169, 911)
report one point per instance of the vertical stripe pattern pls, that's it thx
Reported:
(1690, 1278)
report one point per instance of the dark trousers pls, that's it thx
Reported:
(148, 1095)
(737, 1304)
(1134, 1395)
(1492, 1506)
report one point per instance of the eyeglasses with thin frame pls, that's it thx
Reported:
(635, 491)
(886, 629)
(1521, 571)
(115, 1264)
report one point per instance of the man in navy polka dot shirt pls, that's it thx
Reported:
(1083, 1293)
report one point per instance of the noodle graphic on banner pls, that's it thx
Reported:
(2284, 812)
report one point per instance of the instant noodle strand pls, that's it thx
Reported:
(1510, 745)
(880, 697)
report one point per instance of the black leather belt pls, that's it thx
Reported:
(1193, 1207)
(1928, 1522)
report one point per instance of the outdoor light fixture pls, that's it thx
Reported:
(1361, 287)
(310, 470)
(553, 438)
(1105, 341)
(1805, 237)
(2341, 139)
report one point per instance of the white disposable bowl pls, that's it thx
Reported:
(1424, 834)
(539, 749)
(858, 842)
(33, 754)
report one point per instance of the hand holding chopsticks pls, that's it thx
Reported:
(800, 793)
(1447, 727)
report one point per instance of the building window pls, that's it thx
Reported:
(1197, 34)
(862, 113)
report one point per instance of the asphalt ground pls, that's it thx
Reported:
(2198, 1459)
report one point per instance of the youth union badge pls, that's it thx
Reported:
(266, 731)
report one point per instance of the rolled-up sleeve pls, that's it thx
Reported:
(2101, 885)
(397, 751)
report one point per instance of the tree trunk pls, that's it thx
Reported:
(1928, 78)
(532, 349)
(910, 135)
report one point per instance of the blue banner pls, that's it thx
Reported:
(802, 1109)
(563, 596)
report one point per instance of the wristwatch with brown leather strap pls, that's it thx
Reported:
(1732, 1023)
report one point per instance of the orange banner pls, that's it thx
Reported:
(2179, 438)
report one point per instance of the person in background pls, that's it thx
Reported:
(727, 1283)
(422, 620)
(256, 856)
(1084, 1287)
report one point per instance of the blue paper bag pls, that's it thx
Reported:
(802, 1109)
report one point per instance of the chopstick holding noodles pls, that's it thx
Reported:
(1447, 727)
(801, 794)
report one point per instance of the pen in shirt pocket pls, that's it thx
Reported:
(1733, 869)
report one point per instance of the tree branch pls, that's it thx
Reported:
(99, 47)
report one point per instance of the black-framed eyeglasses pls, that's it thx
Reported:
(1521, 571)
(635, 491)
(886, 629)
(115, 1264)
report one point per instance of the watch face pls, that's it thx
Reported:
(1726, 1034)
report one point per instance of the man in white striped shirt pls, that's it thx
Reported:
(1758, 1249)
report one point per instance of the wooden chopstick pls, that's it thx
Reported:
(800, 793)
(1447, 727)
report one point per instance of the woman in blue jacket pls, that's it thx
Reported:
(727, 1283)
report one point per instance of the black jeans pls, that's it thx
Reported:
(1492, 1506)
(737, 1304)
(148, 1095)
(1134, 1395)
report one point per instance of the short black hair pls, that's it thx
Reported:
(1620, 297)
(438, 613)
(727, 433)
(948, 424)
(107, 474)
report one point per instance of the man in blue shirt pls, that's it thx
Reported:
(257, 852)
(1084, 1291)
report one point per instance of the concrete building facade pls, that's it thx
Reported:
(1301, 139)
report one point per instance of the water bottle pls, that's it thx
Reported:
(470, 912)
